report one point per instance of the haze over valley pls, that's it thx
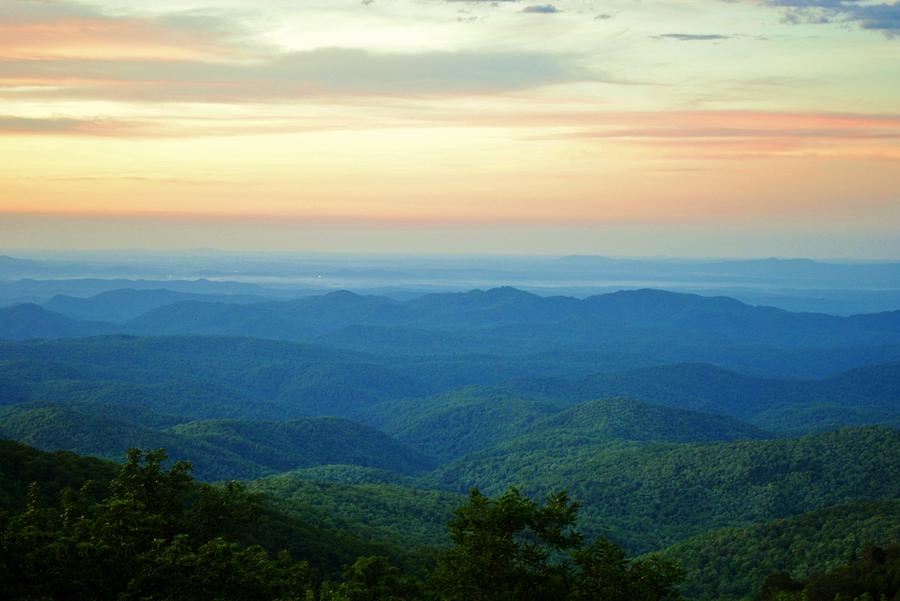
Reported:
(674, 418)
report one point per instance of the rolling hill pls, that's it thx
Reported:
(733, 563)
(649, 496)
(306, 442)
(451, 425)
(121, 305)
(411, 516)
(21, 322)
(218, 449)
(629, 419)
(694, 317)
(861, 396)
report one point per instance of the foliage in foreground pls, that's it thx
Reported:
(158, 535)
(873, 576)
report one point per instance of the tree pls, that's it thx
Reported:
(504, 549)
(157, 536)
(514, 549)
(372, 578)
(606, 574)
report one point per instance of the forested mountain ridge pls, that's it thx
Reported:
(22, 322)
(630, 419)
(161, 494)
(218, 449)
(173, 539)
(476, 418)
(325, 525)
(667, 311)
(650, 496)
(694, 316)
(20, 465)
(667, 416)
(733, 563)
(864, 395)
(410, 515)
(306, 442)
(212, 377)
(243, 377)
(122, 305)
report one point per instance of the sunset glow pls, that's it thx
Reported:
(447, 113)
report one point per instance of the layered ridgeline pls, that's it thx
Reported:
(151, 531)
(380, 503)
(21, 322)
(201, 377)
(502, 309)
(793, 284)
(218, 449)
(451, 425)
(680, 423)
(194, 377)
(864, 395)
(623, 329)
(313, 522)
(121, 306)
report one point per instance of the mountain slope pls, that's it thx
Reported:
(53, 428)
(20, 322)
(733, 563)
(649, 496)
(413, 517)
(306, 442)
(218, 449)
(326, 541)
(861, 396)
(198, 376)
(127, 303)
(629, 419)
(451, 425)
(693, 316)
(20, 465)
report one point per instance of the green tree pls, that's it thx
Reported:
(156, 536)
(372, 578)
(503, 549)
(606, 574)
(512, 548)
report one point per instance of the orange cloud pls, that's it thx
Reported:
(661, 134)
(20, 126)
(92, 37)
(52, 30)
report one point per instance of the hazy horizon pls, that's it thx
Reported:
(763, 128)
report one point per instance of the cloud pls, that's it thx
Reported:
(545, 9)
(289, 76)
(51, 50)
(883, 17)
(56, 126)
(880, 17)
(734, 134)
(691, 37)
(36, 30)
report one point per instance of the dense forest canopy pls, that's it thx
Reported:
(716, 450)
(159, 535)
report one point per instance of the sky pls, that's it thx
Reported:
(621, 127)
